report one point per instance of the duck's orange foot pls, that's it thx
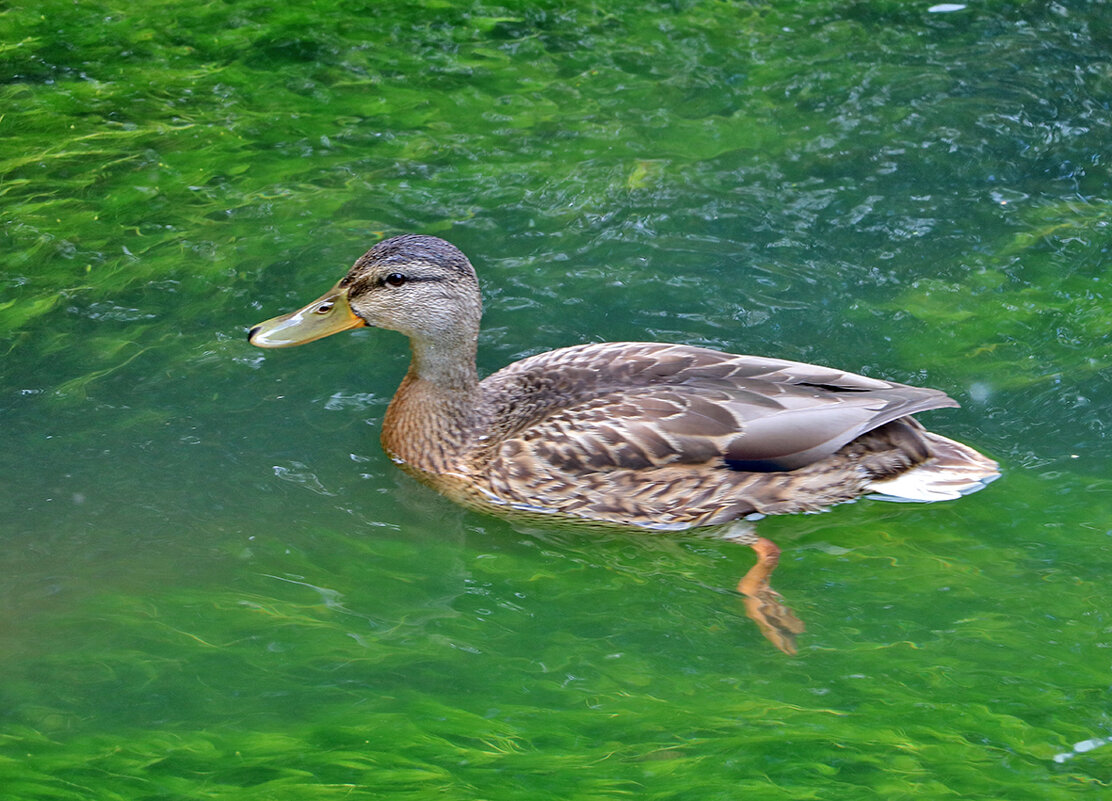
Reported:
(763, 605)
(774, 618)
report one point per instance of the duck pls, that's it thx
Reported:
(647, 436)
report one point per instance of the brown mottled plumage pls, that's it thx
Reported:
(629, 434)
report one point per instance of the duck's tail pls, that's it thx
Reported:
(952, 471)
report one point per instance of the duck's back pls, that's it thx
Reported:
(673, 436)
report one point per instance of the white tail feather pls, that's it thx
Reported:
(953, 471)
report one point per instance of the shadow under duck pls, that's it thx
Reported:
(654, 436)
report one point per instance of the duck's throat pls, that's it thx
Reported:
(432, 416)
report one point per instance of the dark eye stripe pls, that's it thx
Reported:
(399, 279)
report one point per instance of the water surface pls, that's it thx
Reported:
(217, 586)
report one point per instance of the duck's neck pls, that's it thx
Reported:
(433, 413)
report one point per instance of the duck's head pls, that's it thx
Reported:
(421, 286)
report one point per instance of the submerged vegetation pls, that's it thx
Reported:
(217, 586)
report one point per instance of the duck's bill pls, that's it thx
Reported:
(328, 314)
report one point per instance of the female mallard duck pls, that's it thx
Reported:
(631, 434)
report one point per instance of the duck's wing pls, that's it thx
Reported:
(642, 405)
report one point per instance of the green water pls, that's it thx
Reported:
(216, 586)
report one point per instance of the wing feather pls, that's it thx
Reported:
(639, 405)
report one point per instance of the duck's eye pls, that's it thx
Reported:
(325, 307)
(395, 279)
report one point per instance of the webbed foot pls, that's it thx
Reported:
(763, 604)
